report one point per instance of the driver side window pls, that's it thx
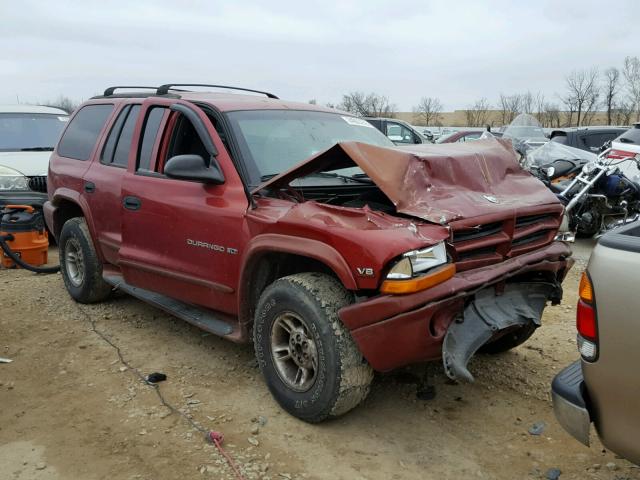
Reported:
(185, 140)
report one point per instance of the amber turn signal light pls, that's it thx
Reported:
(438, 275)
(585, 290)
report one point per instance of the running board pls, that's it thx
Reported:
(198, 316)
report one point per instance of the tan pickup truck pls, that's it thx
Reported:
(604, 386)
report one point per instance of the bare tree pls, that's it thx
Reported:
(63, 103)
(510, 107)
(582, 92)
(313, 101)
(527, 102)
(539, 105)
(622, 112)
(428, 111)
(367, 105)
(631, 73)
(478, 114)
(552, 117)
(611, 86)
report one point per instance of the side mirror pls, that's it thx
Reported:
(193, 167)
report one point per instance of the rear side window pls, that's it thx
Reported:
(81, 136)
(631, 136)
(593, 142)
(150, 132)
(116, 148)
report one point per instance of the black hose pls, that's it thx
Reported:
(19, 261)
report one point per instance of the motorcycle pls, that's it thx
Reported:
(555, 164)
(600, 194)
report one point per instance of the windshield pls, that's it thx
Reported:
(273, 141)
(525, 127)
(30, 131)
(552, 151)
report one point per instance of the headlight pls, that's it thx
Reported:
(12, 180)
(418, 270)
(549, 171)
(418, 261)
(589, 167)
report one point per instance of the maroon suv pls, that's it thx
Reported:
(304, 230)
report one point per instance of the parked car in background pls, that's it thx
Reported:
(627, 144)
(304, 230)
(460, 136)
(425, 132)
(398, 131)
(603, 387)
(586, 138)
(28, 134)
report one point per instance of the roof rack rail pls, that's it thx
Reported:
(111, 90)
(164, 89)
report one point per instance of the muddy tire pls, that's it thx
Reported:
(310, 363)
(510, 340)
(79, 264)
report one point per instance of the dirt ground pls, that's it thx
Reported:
(70, 410)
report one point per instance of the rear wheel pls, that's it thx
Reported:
(510, 339)
(309, 361)
(79, 264)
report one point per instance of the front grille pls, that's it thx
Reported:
(474, 246)
(38, 184)
(477, 232)
(528, 239)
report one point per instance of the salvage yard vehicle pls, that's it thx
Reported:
(305, 230)
(461, 136)
(28, 134)
(590, 139)
(399, 132)
(603, 387)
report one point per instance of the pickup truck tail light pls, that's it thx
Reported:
(586, 320)
(619, 154)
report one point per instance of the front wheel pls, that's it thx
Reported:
(310, 363)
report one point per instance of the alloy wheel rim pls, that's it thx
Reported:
(294, 352)
(74, 262)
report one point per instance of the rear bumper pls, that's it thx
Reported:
(34, 199)
(397, 330)
(569, 402)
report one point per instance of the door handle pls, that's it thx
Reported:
(131, 203)
(89, 187)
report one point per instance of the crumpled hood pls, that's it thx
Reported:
(31, 164)
(438, 183)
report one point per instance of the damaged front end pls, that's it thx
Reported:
(481, 226)
(489, 316)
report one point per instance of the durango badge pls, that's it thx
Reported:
(490, 198)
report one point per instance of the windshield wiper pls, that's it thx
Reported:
(37, 149)
(269, 176)
(358, 177)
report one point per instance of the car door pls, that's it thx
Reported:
(181, 238)
(103, 182)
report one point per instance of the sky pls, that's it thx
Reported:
(458, 51)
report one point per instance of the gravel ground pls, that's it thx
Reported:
(71, 410)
